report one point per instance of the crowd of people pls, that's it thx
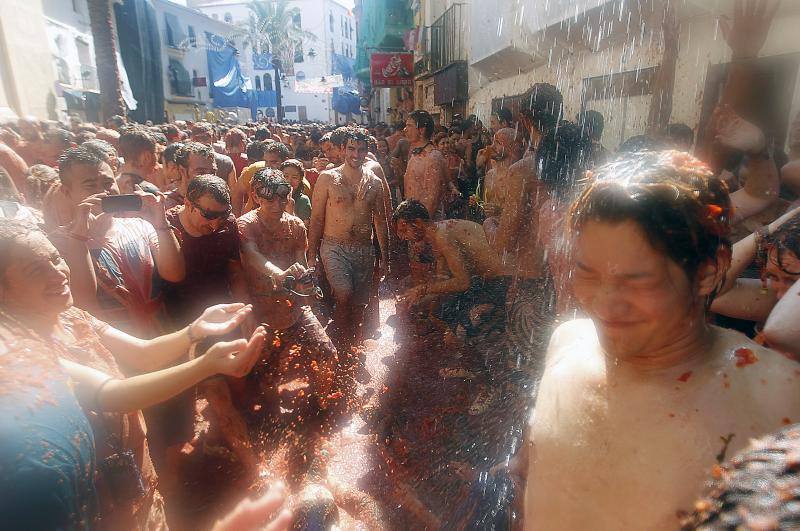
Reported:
(639, 302)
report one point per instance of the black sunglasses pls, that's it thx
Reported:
(212, 214)
(268, 192)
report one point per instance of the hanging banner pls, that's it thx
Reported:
(392, 69)
(318, 85)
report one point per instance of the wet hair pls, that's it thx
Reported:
(13, 232)
(133, 141)
(170, 152)
(759, 488)
(674, 198)
(681, 133)
(39, 180)
(59, 136)
(76, 156)
(159, 137)
(294, 163)
(236, 134)
(116, 120)
(255, 151)
(340, 136)
(410, 210)
(171, 131)
(544, 105)
(267, 177)
(636, 144)
(504, 116)
(562, 158)
(188, 148)
(423, 120)
(592, 122)
(277, 147)
(208, 185)
(786, 238)
(102, 149)
(325, 138)
(262, 134)
(357, 134)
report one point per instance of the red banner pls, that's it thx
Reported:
(392, 69)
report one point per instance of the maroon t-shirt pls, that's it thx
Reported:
(207, 261)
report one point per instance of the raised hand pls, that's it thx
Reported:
(153, 208)
(219, 320)
(236, 358)
(748, 31)
(83, 215)
(733, 132)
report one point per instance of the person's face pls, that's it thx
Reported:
(332, 152)
(207, 214)
(234, 146)
(640, 301)
(494, 124)
(273, 160)
(499, 147)
(87, 179)
(412, 131)
(383, 148)
(294, 176)
(200, 165)
(780, 276)
(271, 208)
(355, 153)
(410, 231)
(37, 279)
(203, 137)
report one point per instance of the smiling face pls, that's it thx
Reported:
(87, 179)
(355, 153)
(204, 208)
(37, 278)
(640, 301)
(294, 176)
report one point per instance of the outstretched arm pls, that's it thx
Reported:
(98, 391)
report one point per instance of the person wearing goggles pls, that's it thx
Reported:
(273, 247)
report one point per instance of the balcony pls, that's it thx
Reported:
(447, 38)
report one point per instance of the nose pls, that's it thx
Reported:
(608, 302)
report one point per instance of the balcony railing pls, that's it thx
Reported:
(447, 43)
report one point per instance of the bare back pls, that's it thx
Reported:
(616, 448)
(469, 240)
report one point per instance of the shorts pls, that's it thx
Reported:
(349, 269)
(481, 309)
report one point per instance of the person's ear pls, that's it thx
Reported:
(711, 273)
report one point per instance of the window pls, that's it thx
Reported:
(175, 36)
(290, 108)
(341, 24)
(228, 17)
(297, 20)
(268, 82)
(258, 83)
(300, 75)
(330, 20)
(192, 38)
(179, 81)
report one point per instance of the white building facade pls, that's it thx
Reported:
(334, 28)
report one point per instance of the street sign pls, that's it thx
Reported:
(392, 69)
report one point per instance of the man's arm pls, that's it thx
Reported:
(319, 203)
(380, 220)
(72, 243)
(167, 252)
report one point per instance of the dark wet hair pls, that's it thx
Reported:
(562, 158)
(75, 156)
(680, 132)
(188, 148)
(544, 105)
(592, 122)
(339, 136)
(277, 147)
(410, 210)
(758, 489)
(268, 177)
(262, 134)
(786, 238)
(133, 141)
(170, 152)
(673, 197)
(39, 180)
(504, 116)
(102, 149)
(423, 120)
(637, 143)
(208, 185)
(255, 151)
(116, 120)
(357, 134)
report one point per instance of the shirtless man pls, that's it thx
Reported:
(347, 202)
(426, 175)
(495, 188)
(639, 401)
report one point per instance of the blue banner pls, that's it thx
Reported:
(227, 87)
(262, 61)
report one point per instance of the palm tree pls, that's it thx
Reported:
(271, 28)
(105, 50)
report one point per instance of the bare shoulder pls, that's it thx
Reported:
(571, 339)
(750, 361)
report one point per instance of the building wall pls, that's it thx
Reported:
(316, 19)
(701, 45)
(26, 66)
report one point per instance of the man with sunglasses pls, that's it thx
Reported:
(273, 247)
